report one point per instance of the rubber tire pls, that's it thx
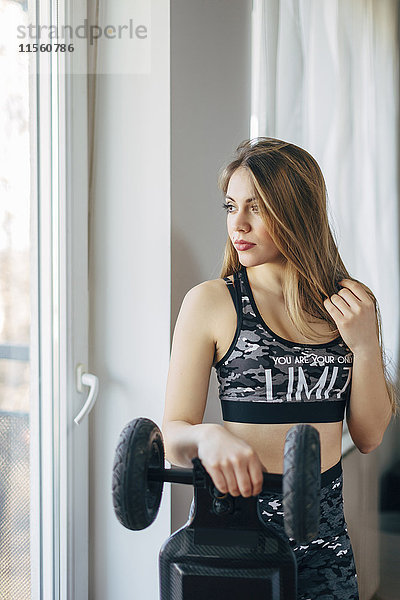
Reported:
(301, 483)
(136, 500)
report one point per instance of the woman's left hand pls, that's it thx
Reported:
(354, 314)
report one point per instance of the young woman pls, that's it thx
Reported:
(293, 339)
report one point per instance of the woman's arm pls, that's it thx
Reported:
(369, 411)
(192, 355)
(232, 464)
(184, 440)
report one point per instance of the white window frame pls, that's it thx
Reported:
(59, 335)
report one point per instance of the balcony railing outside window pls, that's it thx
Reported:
(15, 472)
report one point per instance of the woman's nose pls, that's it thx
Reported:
(241, 223)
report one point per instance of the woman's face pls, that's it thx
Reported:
(245, 223)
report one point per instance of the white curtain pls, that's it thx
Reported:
(325, 77)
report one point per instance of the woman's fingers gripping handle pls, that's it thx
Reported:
(233, 465)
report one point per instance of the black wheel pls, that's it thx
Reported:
(302, 483)
(137, 500)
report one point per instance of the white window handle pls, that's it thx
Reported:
(90, 380)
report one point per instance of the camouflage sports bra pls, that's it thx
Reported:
(264, 378)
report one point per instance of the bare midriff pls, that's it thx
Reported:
(268, 440)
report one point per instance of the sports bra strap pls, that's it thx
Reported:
(233, 288)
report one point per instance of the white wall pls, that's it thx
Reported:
(210, 116)
(129, 302)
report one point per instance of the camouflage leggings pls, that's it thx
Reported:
(325, 567)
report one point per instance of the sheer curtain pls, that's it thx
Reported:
(325, 77)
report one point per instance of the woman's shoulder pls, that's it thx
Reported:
(210, 306)
(216, 284)
(211, 289)
(210, 296)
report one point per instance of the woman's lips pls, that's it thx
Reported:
(243, 245)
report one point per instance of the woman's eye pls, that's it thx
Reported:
(227, 207)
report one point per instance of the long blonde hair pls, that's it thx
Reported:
(291, 193)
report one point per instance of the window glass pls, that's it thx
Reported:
(15, 577)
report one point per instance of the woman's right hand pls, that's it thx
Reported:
(232, 464)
